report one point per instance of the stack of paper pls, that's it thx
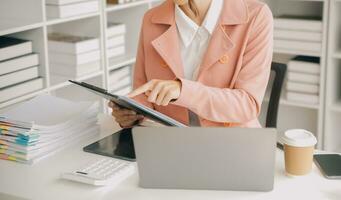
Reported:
(69, 8)
(115, 39)
(298, 33)
(303, 83)
(19, 73)
(37, 128)
(120, 80)
(73, 56)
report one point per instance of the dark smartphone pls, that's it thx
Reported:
(329, 164)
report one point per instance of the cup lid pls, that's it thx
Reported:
(299, 138)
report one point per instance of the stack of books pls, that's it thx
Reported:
(73, 56)
(44, 125)
(120, 81)
(297, 33)
(303, 80)
(115, 39)
(18, 68)
(69, 8)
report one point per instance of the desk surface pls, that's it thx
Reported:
(42, 181)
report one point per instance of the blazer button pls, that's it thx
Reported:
(224, 59)
(227, 124)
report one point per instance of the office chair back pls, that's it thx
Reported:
(279, 71)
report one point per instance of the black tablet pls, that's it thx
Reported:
(118, 145)
(128, 103)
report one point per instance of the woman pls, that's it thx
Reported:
(203, 62)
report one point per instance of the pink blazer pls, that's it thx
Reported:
(233, 75)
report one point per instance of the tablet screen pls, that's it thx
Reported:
(118, 145)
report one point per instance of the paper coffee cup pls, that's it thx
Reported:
(298, 151)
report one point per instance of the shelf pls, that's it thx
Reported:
(6, 29)
(111, 7)
(293, 52)
(69, 19)
(121, 61)
(59, 82)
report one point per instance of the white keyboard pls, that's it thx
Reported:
(102, 171)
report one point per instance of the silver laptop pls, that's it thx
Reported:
(205, 158)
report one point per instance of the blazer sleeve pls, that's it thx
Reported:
(242, 103)
(139, 75)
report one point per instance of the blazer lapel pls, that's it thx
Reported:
(167, 46)
(220, 44)
(234, 12)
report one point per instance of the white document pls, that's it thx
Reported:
(73, 44)
(74, 71)
(62, 110)
(298, 35)
(18, 76)
(115, 29)
(58, 122)
(303, 98)
(115, 41)
(21, 89)
(303, 77)
(74, 59)
(314, 47)
(69, 10)
(304, 67)
(115, 51)
(62, 2)
(293, 23)
(18, 63)
(303, 87)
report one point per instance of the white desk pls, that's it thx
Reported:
(41, 181)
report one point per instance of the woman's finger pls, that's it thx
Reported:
(114, 106)
(126, 124)
(144, 88)
(123, 112)
(127, 118)
(147, 93)
(168, 97)
(155, 92)
(162, 94)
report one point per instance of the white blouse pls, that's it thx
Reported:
(194, 39)
(194, 42)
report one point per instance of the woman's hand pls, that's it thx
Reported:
(126, 118)
(160, 92)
